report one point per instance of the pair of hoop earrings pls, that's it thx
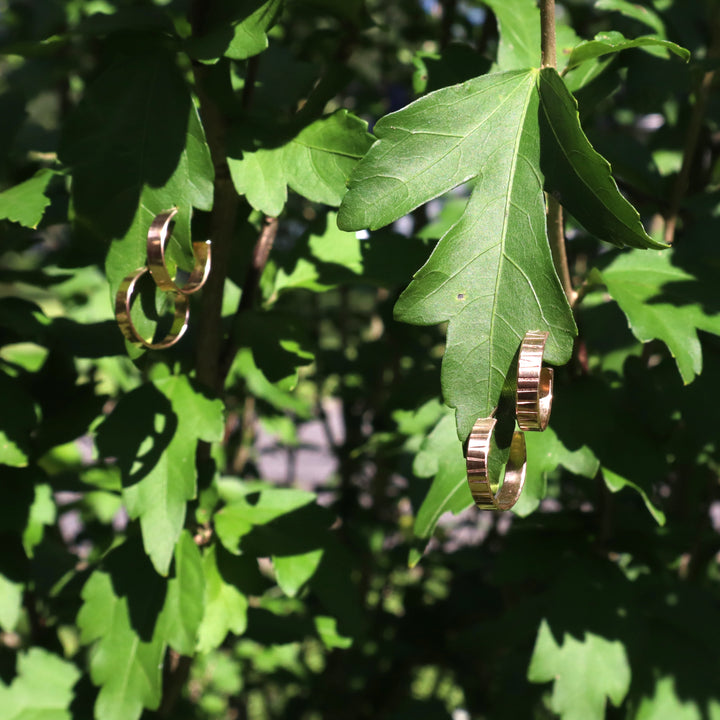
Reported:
(533, 402)
(160, 230)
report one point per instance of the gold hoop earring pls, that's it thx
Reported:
(160, 230)
(489, 494)
(534, 395)
(123, 301)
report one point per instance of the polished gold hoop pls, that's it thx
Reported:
(158, 234)
(534, 384)
(489, 494)
(123, 301)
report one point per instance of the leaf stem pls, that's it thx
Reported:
(555, 225)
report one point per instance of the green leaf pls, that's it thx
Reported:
(240, 36)
(491, 276)
(11, 597)
(663, 302)
(636, 12)
(183, 609)
(25, 203)
(546, 452)
(119, 613)
(667, 703)
(614, 42)
(441, 457)
(578, 176)
(42, 689)
(225, 604)
(327, 629)
(42, 513)
(316, 163)
(153, 432)
(293, 571)
(259, 506)
(584, 673)
(615, 483)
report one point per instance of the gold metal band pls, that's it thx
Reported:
(534, 384)
(123, 301)
(158, 234)
(485, 491)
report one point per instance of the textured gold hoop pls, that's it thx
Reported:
(123, 301)
(534, 384)
(160, 230)
(485, 491)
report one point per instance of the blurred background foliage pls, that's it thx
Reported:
(320, 596)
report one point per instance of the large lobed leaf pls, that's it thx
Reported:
(492, 274)
(584, 673)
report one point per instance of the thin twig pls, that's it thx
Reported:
(555, 225)
(697, 119)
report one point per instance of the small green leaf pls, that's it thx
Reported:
(42, 688)
(584, 673)
(257, 507)
(492, 274)
(636, 12)
(316, 163)
(25, 203)
(441, 457)
(578, 176)
(225, 604)
(153, 432)
(545, 452)
(327, 629)
(42, 513)
(615, 483)
(613, 42)
(11, 596)
(240, 36)
(663, 302)
(293, 571)
(183, 610)
(667, 703)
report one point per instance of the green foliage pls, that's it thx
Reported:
(271, 519)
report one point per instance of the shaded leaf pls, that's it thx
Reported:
(126, 661)
(153, 432)
(584, 672)
(225, 604)
(615, 483)
(612, 42)
(183, 610)
(26, 203)
(239, 32)
(42, 689)
(545, 453)
(293, 571)
(578, 176)
(491, 275)
(441, 457)
(316, 163)
(664, 302)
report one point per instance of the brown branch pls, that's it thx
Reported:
(547, 34)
